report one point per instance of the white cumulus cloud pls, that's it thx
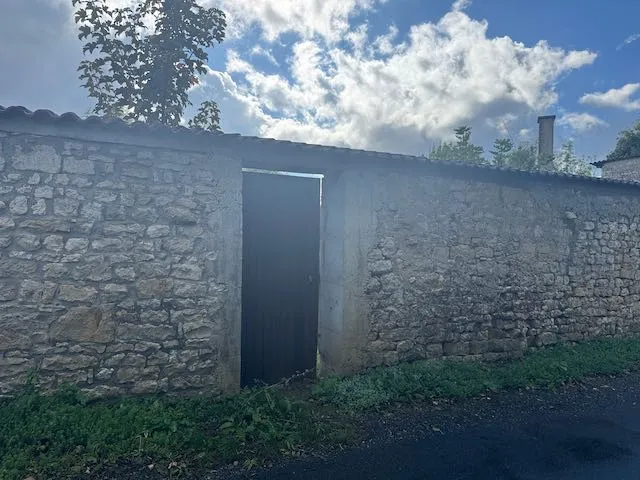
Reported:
(581, 122)
(328, 19)
(461, 4)
(393, 91)
(401, 96)
(525, 133)
(502, 123)
(616, 97)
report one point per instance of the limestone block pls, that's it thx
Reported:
(157, 231)
(127, 332)
(39, 158)
(39, 207)
(83, 324)
(67, 362)
(181, 215)
(187, 271)
(73, 293)
(19, 205)
(66, 207)
(154, 288)
(76, 245)
(78, 166)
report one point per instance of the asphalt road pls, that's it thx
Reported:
(591, 431)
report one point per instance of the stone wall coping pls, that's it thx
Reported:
(268, 153)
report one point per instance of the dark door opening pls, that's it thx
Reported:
(280, 276)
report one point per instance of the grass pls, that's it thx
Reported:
(410, 382)
(63, 434)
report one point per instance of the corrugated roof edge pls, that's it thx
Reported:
(17, 116)
(600, 163)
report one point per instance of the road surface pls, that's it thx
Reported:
(590, 431)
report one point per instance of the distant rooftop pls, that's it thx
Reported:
(600, 163)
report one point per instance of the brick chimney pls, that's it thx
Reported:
(545, 135)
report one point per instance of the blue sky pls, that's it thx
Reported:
(391, 75)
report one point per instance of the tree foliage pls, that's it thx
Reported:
(524, 157)
(207, 118)
(502, 148)
(462, 150)
(144, 59)
(506, 154)
(628, 144)
(566, 161)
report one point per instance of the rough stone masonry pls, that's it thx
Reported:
(119, 266)
(121, 256)
(483, 264)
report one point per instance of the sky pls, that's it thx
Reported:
(387, 75)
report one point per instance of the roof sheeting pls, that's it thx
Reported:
(93, 128)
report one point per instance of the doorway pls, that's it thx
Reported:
(280, 275)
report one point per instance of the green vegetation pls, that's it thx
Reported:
(462, 150)
(627, 144)
(566, 161)
(63, 434)
(143, 59)
(506, 154)
(416, 381)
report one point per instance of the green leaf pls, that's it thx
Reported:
(144, 79)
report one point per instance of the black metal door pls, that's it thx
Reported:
(280, 276)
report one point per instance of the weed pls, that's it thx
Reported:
(51, 436)
(418, 380)
(46, 435)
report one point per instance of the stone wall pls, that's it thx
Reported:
(628, 169)
(437, 266)
(119, 266)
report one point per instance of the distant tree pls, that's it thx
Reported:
(501, 152)
(443, 152)
(523, 157)
(462, 150)
(144, 74)
(468, 152)
(545, 162)
(628, 144)
(566, 161)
